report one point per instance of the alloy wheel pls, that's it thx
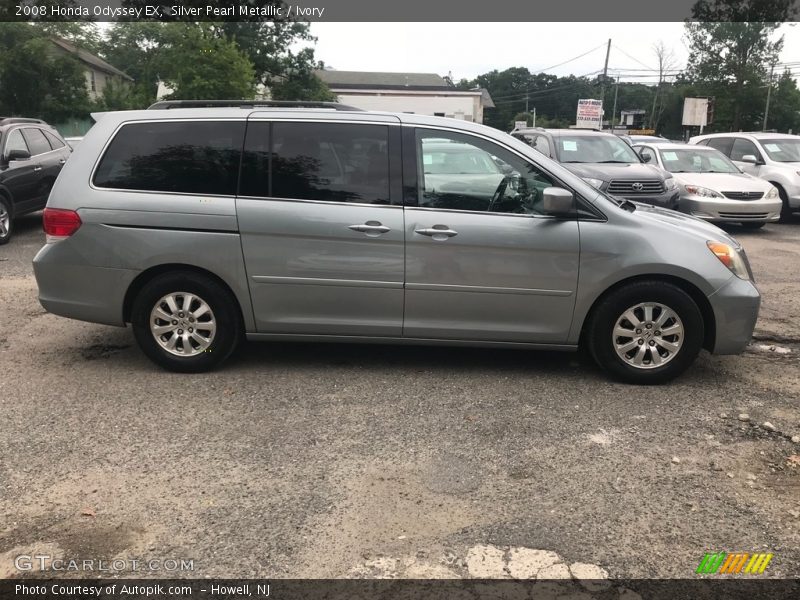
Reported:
(183, 324)
(648, 335)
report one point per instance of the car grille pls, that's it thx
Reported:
(635, 186)
(743, 216)
(743, 195)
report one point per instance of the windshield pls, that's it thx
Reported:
(783, 150)
(457, 160)
(696, 161)
(594, 149)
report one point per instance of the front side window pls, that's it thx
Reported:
(782, 149)
(742, 148)
(36, 141)
(15, 141)
(542, 145)
(191, 157)
(462, 172)
(594, 149)
(332, 162)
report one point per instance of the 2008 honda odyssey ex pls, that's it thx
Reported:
(202, 225)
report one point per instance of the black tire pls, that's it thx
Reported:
(604, 318)
(5, 209)
(224, 308)
(786, 210)
(749, 225)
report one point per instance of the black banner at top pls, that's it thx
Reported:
(403, 11)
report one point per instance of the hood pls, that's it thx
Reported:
(728, 182)
(686, 223)
(609, 171)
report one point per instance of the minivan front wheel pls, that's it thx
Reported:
(646, 332)
(186, 322)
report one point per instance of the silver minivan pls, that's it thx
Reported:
(201, 226)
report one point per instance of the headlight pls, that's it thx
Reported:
(594, 182)
(772, 193)
(670, 183)
(696, 190)
(730, 257)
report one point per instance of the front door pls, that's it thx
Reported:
(483, 262)
(19, 177)
(742, 148)
(321, 223)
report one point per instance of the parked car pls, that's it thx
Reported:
(774, 157)
(712, 187)
(314, 222)
(606, 162)
(31, 156)
(640, 139)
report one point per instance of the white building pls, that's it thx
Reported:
(419, 93)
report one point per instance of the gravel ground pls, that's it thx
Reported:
(336, 461)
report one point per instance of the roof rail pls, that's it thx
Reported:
(10, 120)
(167, 104)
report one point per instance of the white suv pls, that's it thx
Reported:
(774, 157)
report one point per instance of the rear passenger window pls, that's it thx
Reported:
(722, 144)
(191, 157)
(55, 143)
(317, 161)
(36, 141)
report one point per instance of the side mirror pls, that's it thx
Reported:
(18, 154)
(645, 157)
(749, 158)
(557, 202)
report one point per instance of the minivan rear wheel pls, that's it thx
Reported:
(185, 322)
(6, 222)
(646, 332)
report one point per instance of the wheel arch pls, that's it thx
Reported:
(699, 298)
(149, 274)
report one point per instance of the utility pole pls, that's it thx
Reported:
(534, 116)
(603, 86)
(614, 112)
(526, 103)
(769, 92)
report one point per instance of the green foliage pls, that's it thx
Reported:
(35, 79)
(731, 50)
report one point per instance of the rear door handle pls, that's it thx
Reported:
(37, 168)
(371, 228)
(61, 161)
(437, 232)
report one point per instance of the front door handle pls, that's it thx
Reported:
(437, 232)
(37, 168)
(371, 228)
(61, 161)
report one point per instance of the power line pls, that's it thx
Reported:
(572, 59)
(634, 59)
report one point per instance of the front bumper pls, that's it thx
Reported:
(735, 307)
(720, 210)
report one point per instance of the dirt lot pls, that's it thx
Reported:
(336, 461)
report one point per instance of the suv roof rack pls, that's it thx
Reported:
(167, 104)
(10, 120)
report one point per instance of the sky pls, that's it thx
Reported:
(468, 49)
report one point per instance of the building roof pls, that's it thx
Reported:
(90, 59)
(381, 80)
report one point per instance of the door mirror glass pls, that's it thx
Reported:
(749, 158)
(645, 157)
(557, 201)
(18, 154)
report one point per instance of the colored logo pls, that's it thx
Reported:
(734, 562)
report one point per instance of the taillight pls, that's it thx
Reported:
(60, 223)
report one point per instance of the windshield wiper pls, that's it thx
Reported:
(625, 162)
(627, 205)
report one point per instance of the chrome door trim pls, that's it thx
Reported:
(395, 285)
(438, 287)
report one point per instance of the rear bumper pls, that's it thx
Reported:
(735, 307)
(80, 291)
(720, 210)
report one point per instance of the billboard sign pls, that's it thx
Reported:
(590, 114)
(695, 112)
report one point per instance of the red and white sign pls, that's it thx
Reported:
(590, 114)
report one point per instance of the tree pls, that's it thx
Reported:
(731, 50)
(199, 66)
(784, 108)
(666, 62)
(35, 81)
